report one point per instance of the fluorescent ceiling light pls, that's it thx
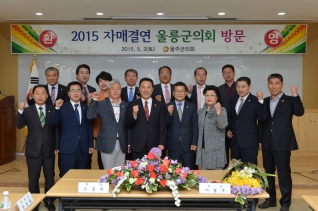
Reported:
(39, 13)
(99, 13)
(281, 13)
(221, 13)
(160, 17)
(160, 13)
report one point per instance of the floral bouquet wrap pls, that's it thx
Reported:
(245, 179)
(151, 172)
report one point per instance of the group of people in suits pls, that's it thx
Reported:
(196, 125)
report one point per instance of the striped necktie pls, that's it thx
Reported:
(146, 110)
(42, 117)
(180, 111)
(53, 94)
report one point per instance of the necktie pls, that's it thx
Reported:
(84, 91)
(146, 110)
(131, 95)
(77, 113)
(42, 117)
(199, 96)
(180, 111)
(240, 106)
(53, 94)
(167, 94)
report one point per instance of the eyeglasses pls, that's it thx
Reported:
(75, 90)
(210, 95)
(164, 73)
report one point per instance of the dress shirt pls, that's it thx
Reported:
(203, 97)
(78, 108)
(273, 103)
(239, 102)
(177, 106)
(37, 109)
(56, 90)
(133, 90)
(149, 104)
(163, 88)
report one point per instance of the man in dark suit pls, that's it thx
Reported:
(278, 139)
(83, 73)
(76, 140)
(244, 112)
(196, 91)
(146, 117)
(56, 91)
(182, 132)
(163, 91)
(41, 142)
(128, 94)
(112, 136)
(131, 91)
(227, 91)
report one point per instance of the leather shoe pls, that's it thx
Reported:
(267, 204)
(282, 208)
(50, 206)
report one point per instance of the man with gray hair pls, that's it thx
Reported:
(112, 136)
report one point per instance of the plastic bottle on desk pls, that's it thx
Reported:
(6, 202)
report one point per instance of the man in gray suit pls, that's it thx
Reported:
(227, 91)
(112, 136)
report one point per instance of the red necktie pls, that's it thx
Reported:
(146, 110)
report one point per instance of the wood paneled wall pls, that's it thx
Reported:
(305, 127)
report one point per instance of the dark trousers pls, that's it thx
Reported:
(187, 158)
(99, 161)
(136, 155)
(76, 160)
(34, 171)
(273, 159)
(248, 155)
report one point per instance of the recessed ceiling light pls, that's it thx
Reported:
(160, 13)
(39, 13)
(281, 13)
(221, 13)
(99, 13)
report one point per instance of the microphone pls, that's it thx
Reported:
(3, 94)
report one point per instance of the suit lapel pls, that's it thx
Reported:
(36, 114)
(185, 110)
(121, 115)
(142, 109)
(280, 104)
(84, 113)
(72, 112)
(48, 114)
(125, 96)
(246, 103)
(110, 109)
(153, 108)
(136, 92)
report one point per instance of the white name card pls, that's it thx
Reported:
(93, 187)
(25, 201)
(216, 188)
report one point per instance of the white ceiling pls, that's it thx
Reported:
(236, 10)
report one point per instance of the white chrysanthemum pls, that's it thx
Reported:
(152, 180)
(143, 164)
(247, 172)
(131, 180)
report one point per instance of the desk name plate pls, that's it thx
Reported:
(93, 187)
(216, 188)
(25, 201)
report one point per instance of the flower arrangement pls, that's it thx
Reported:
(151, 172)
(245, 179)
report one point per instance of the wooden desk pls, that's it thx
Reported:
(312, 201)
(16, 196)
(66, 190)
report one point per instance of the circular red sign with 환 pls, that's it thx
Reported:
(273, 38)
(48, 38)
